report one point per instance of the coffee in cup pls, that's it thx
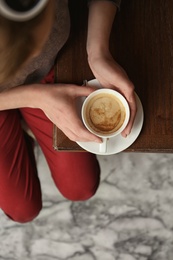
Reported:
(105, 113)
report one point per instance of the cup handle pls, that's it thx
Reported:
(103, 146)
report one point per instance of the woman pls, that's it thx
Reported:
(27, 53)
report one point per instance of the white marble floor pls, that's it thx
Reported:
(130, 217)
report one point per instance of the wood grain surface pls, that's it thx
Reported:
(142, 43)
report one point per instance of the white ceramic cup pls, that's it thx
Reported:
(105, 135)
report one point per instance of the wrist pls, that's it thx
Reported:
(98, 54)
(97, 50)
(27, 96)
(34, 95)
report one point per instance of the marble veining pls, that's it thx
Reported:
(129, 218)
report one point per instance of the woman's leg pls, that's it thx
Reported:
(20, 194)
(77, 174)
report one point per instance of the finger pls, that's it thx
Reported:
(81, 135)
(75, 130)
(82, 91)
(133, 109)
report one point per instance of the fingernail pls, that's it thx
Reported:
(124, 135)
(98, 141)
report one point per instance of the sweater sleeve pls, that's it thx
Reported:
(116, 2)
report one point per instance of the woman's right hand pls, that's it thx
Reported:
(58, 102)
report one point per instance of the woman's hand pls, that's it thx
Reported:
(58, 102)
(111, 75)
(104, 67)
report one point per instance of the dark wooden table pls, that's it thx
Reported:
(142, 43)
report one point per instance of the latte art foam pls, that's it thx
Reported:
(105, 113)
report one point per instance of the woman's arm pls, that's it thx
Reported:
(57, 102)
(18, 97)
(104, 67)
(101, 17)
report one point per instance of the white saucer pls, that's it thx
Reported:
(118, 143)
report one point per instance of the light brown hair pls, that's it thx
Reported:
(16, 45)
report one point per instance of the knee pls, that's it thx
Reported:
(25, 214)
(77, 194)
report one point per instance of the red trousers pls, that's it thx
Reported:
(76, 175)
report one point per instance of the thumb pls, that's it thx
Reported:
(84, 91)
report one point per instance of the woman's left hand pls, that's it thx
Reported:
(112, 75)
